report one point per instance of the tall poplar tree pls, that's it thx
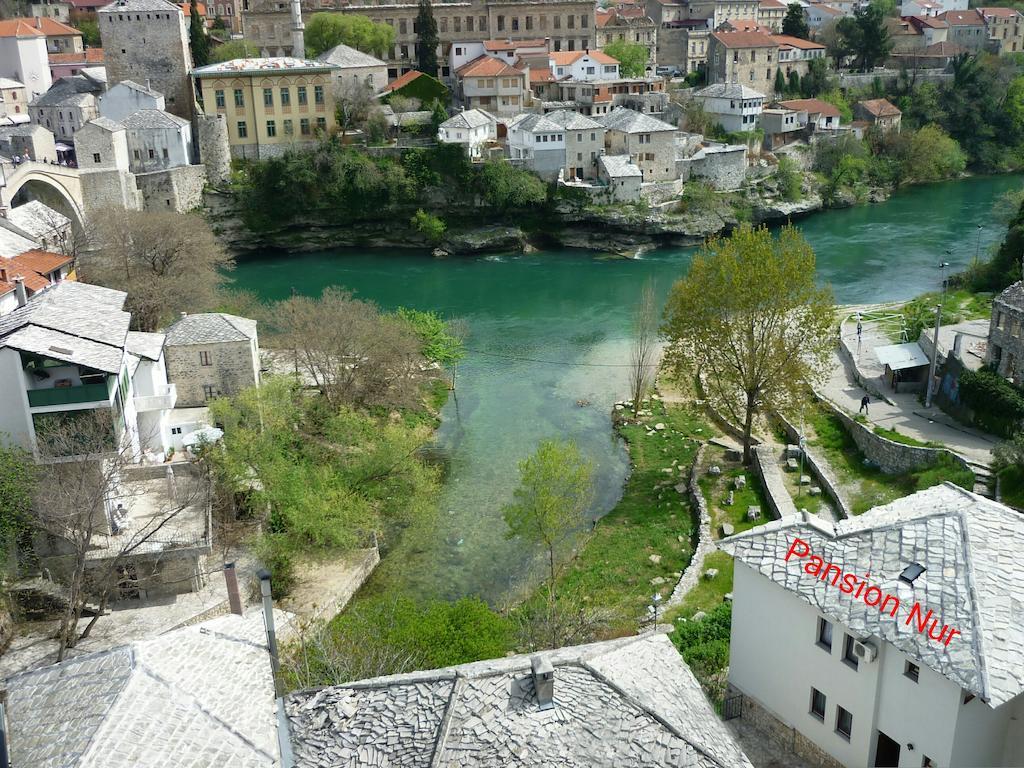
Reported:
(427, 41)
(197, 39)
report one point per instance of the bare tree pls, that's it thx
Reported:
(167, 262)
(354, 102)
(82, 476)
(643, 355)
(352, 353)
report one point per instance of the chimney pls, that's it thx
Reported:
(543, 682)
(234, 597)
(39, 22)
(19, 290)
(3, 274)
(268, 620)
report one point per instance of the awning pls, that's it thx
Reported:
(62, 147)
(900, 356)
(203, 435)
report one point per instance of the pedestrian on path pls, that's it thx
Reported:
(864, 404)
(860, 328)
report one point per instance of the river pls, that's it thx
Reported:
(550, 329)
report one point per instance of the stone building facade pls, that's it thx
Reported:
(746, 58)
(570, 25)
(146, 41)
(177, 189)
(1006, 334)
(631, 27)
(211, 355)
(211, 135)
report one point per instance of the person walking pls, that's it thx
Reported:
(864, 404)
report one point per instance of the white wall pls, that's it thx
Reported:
(15, 420)
(463, 53)
(121, 101)
(26, 61)
(176, 141)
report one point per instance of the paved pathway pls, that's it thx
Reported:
(904, 412)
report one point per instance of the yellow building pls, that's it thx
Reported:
(270, 104)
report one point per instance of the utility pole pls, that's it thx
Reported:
(935, 357)
(977, 245)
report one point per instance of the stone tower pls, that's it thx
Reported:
(298, 31)
(147, 41)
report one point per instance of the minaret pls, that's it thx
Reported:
(298, 31)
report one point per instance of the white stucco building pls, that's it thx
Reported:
(650, 143)
(583, 66)
(23, 55)
(356, 67)
(128, 97)
(67, 351)
(734, 106)
(538, 143)
(472, 128)
(157, 140)
(926, 671)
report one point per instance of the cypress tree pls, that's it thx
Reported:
(427, 40)
(197, 39)
(780, 82)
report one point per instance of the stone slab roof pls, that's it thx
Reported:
(630, 121)
(972, 550)
(729, 91)
(618, 704)
(532, 123)
(619, 166)
(1013, 295)
(150, 119)
(147, 345)
(262, 66)
(37, 219)
(573, 121)
(470, 118)
(210, 328)
(346, 56)
(124, 6)
(72, 321)
(201, 696)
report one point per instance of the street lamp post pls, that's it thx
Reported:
(935, 343)
(977, 245)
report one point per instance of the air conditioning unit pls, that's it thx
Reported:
(865, 651)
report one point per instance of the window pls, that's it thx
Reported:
(218, 96)
(288, 131)
(318, 94)
(818, 704)
(825, 634)
(321, 123)
(501, 23)
(848, 655)
(302, 96)
(204, 358)
(239, 98)
(136, 153)
(175, 430)
(268, 97)
(912, 671)
(152, 154)
(271, 129)
(304, 126)
(243, 131)
(95, 157)
(515, 23)
(207, 391)
(968, 698)
(926, 762)
(844, 723)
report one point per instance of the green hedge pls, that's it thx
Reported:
(997, 405)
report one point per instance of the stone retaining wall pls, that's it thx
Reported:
(768, 471)
(849, 360)
(829, 484)
(327, 597)
(784, 736)
(891, 457)
(705, 540)
(720, 421)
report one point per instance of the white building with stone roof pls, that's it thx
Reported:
(472, 128)
(649, 142)
(354, 66)
(736, 107)
(901, 645)
(626, 703)
(201, 696)
(212, 355)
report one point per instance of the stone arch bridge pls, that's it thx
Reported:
(58, 186)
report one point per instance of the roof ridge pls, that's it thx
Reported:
(443, 728)
(977, 644)
(113, 699)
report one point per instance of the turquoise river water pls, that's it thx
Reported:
(551, 328)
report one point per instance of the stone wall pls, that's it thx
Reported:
(829, 484)
(723, 167)
(768, 471)
(705, 540)
(175, 189)
(109, 189)
(785, 737)
(211, 135)
(334, 585)
(891, 457)
(231, 370)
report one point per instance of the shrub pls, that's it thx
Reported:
(789, 179)
(431, 227)
(997, 405)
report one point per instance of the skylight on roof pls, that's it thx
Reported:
(911, 572)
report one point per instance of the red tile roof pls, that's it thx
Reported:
(771, 4)
(19, 28)
(50, 27)
(487, 66)
(564, 58)
(402, 81)
(1006, 13)
(926, 21)
(34, 266)
(744, 25)
(744, 40)
(879, 107)
(541, 76)
(796, 42)
(811, 107)
(603, 18)
(511, 45)
(88, 56)
(971, 18)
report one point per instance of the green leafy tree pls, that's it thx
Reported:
(427, 40)
(795, 22)
(750, 316)
(438, 114)
(325, 30)
(865, 36)
(780, 82)
(632, 57)
(555, 490)
(789, 179)
(197, 38)
(17, 487)
(504, 186)
(793, 85)
(219, 23)
(233, 49)
(816, 80)
(933, 155)
(430, 226)
(90, 30)
(442, 341)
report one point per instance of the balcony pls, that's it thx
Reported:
(163, 400)
(83, 393)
